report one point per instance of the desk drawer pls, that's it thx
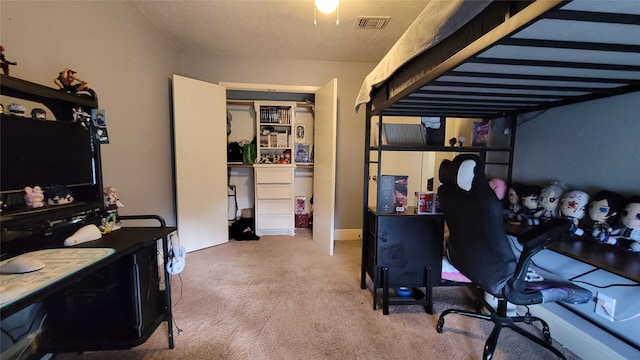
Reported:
(274, 176)
(274, 191)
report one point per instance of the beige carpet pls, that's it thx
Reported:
(282, 298)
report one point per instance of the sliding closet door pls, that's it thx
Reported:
(200, 162)
(324, 166)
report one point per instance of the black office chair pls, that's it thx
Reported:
(479, 248)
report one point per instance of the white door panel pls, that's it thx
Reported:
(324, 167)
(199, 120)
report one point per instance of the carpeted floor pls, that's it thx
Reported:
(282, 298)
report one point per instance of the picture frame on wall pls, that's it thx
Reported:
(301, 131)
(302, 153)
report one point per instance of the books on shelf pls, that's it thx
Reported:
(282, 140)
(275, 140)
(275, 114)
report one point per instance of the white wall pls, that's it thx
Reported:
(128, 63)
(590, 146)
(307, 73)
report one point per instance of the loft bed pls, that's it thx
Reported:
(493, 59)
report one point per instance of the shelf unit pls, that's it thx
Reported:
(277, 179)
(66, 154)
(274, 125)
(115, 303)
(405, 249)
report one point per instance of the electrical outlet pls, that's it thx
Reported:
(605, 306)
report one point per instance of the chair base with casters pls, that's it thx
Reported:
(500, 319)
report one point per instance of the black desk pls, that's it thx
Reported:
(130, 274)
(606, 257)
(402, 250)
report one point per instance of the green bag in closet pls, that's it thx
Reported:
(249, 154)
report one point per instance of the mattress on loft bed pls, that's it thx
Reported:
(438, 20)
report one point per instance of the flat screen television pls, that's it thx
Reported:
(46, 153)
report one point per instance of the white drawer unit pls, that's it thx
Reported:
(274, 199)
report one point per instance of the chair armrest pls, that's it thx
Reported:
(537, 238)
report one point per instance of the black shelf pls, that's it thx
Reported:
(385, 235)
(440, 148)
(59, 102)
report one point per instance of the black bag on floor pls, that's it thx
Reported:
(242, 229)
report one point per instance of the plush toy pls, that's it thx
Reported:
(530, 204)
(549, 199)
(572, 208)
(513, 207)
(499, 187)
(58, 195)
(628, 234)
(34, 196)
(604, 211)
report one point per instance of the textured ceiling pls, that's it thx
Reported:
(279, 29)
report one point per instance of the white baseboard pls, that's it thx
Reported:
(348, 234)
(580, 336)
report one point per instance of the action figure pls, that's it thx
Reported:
(111, 204)
(66, 79)
(604, 211)
(4, 62)
(572, 208)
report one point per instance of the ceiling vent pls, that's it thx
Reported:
(371, 22)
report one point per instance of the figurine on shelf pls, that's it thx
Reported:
(530, 205)
(286, 157)
(4, 62)
(66, 80)
(604, 211)
(572, 207)
(111, 205)
(513, 207)
(549, 199)
(627, 235)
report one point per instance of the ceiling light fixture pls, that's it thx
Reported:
(326, 7)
